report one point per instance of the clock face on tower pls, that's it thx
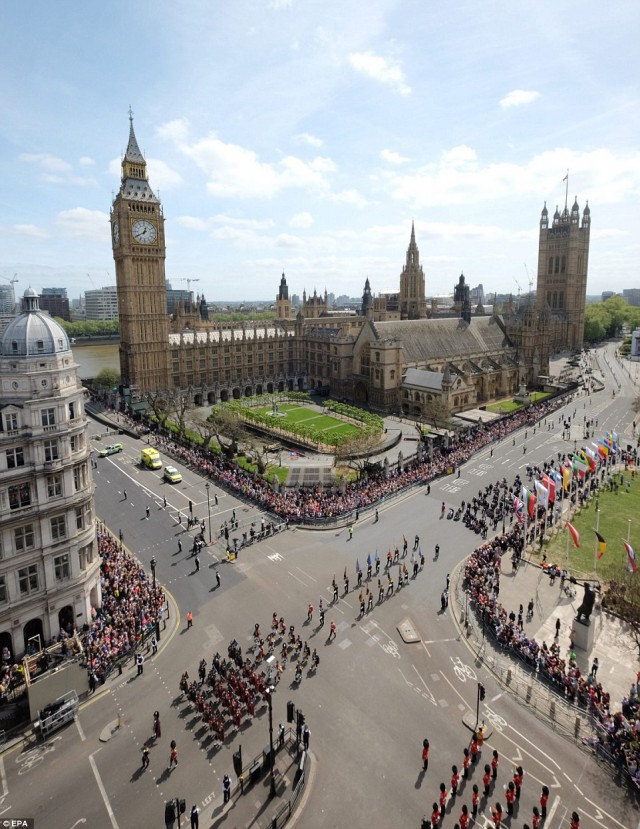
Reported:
(144, 232)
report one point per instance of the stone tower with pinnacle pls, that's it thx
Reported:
(137, 238)
(412, 298)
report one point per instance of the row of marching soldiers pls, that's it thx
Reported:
(512, 791)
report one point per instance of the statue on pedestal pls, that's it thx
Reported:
(586, 608)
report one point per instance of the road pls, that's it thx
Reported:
(373, 699)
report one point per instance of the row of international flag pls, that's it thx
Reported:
(582, 461)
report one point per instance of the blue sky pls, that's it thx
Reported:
(305, 135)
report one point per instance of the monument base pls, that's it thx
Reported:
(583, 635)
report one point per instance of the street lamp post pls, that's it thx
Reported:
(207, 486)
(272, 785)
(466, 611)
(153, 573)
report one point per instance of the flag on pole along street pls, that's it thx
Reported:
(369, 560)
(530, 501)
(557, 477)
(518, 509)
(575, 535)
(579, 466)
(603, 449)
(566, 477)
(591, 458)
(377, 555)
(590, 464)
(551, 486)
(357, 565)
(602, 544)
(614, 440)
(542, 494)
(633, 567)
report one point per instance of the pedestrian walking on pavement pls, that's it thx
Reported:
(306, 736)
(179, 546)
(189, 620)
(226, 788)
(164, 501)
(474, 748)
(494, 764)
(463, 820)
(350, 533)
(425, 754)
(437, 551)
(497, 816)
(369, 600)
(475, 799)
(544, 797)
(334, 584)
(124, 493)
(594, 667)
(310, 612)
(558, 625)
(346, 584)
(197, 563)
(140, 664)
(218, 581)
(157, 728)
(435, 816)
(518, 776)
(154, 645)
(173, 756)
(322, 617)
(510, 795)
(332, 631)
(455, 780)
(148, 512)
(466, 763)
(443, 797)
(535, 820)
(194, 816)
(486, 779)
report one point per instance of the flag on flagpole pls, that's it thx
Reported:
(557, 477)
(566, 177)
(530, 501)
(551, 486)
(369, 560)
(591, 458)
(579, 466)
(633, 567)
(575, 535)
(518, 509)
(602, 544)
(603, 449)
(357, 565)
(542, 494)
(566, 475)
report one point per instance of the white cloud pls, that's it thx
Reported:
(393, 157)
(384, 70)
(86, 161)
(193, 223)
(80, 223)
(518, 97)
(237, 172)
(460, 177)
(47, 162)
(176, 130)
(302, 220)
(280, 4)
(33, 231)
(161, 176)
(349, 197)
(311, 140)
(286, 240)
(255, 224)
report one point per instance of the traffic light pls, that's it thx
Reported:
(481, 691)
(290, 711)
(237, 762)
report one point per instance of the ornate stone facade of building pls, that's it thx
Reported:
(49, 566)
(383, 357)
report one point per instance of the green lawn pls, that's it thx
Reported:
(616, 509)
(506, 407)
(301, 414)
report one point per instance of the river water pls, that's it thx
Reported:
(92, 358)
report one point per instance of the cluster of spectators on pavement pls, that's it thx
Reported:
(130, 607)
(619, 733)
(318, 503)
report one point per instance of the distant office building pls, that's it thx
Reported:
(607, 295)
(7, 299)
(102, 303)
(632, 295)
(56, 302)
(175, 296)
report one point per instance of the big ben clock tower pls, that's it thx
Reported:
(137, 237)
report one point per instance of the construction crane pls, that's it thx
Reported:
(529, 278)
(518, 284)
(185, 279)
(12, 282)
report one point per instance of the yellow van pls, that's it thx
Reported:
(150, 458)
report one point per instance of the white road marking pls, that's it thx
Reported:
(103, 792)
(453, 688)
(80, 731)
(552, 811)
(306, 574)
(494, 699)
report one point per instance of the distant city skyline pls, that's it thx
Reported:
(305, 138)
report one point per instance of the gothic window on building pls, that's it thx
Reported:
(377, 356)
(557, 265)
(28, 579)
(23, 538)
(11, 422)
(239, 361)
(555, 300)
(48, 417)
(3, 590)
(62, 567)
(561, 300)
(563, 264)
(392, 374)
(15, 457)
(79, 477)
(203, 364)
(176, 381)
(550, 268)
(189, 379)
(58, 528)
(19, 496)
(51, 452)
(72, 411)
(189, 365)
(579, 263)
(227, 361)
(54, 486)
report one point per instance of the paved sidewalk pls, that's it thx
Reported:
(614, 647)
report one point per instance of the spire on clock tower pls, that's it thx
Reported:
(133, 153)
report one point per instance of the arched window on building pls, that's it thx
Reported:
(563, 264)
(550, 270)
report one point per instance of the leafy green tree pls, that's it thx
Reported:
(107, 378)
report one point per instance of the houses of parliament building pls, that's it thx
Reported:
(398, 354)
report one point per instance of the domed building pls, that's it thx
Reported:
(49, 566)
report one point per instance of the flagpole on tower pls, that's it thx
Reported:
(595, 553)
(566, 193)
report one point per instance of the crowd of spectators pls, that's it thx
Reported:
(304, 504)
(129, 609)
(618, 733)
